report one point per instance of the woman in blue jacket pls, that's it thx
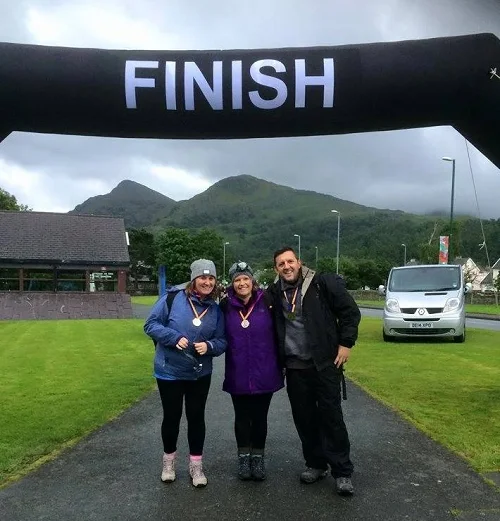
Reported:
(187, 337)
(252, 371)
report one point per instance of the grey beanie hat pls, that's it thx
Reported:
(240, 268)
(202, 267)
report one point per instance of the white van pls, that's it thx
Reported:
(425, 301)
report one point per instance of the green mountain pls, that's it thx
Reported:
(137, 204)
(256, 217)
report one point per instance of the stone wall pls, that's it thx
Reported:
(39, 306)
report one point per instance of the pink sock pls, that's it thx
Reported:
(195, 458)
(170, 456)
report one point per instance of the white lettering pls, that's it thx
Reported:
(132, 82)
(213, 94)
(302, 81)
(170, 88)
(237, 84)
(268, 81)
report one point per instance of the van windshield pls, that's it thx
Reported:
(429, 278)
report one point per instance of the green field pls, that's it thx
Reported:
(450, 391)
(63, 379)
(144, 300)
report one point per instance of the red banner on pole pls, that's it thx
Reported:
(443, 249)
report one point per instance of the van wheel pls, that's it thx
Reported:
(387, 338)
(460, 339)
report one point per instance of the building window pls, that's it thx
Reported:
(38, 280)
(71, 280)
(9, 279)
(104, 281)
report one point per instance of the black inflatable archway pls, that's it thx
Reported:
(255, 93)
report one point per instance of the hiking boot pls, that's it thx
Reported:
(168, 470)
(244, 470)
(311, 475)
(196, 473)
(344, 486)
(258, 467)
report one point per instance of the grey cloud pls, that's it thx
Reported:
(397, 170)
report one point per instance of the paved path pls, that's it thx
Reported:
(114, 474)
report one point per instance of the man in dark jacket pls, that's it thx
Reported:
(317, 325)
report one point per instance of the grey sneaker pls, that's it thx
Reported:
(344, 486)
(197, 474)
(258, 467)
(244, 470)
(311, 475)
(168, 469)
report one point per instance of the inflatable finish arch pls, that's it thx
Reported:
(255, 93)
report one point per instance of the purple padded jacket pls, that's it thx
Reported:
(252, 353)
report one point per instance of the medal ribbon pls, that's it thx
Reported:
(199, 317)
(292, 304)
(248, 314)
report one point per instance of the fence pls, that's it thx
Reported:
(474, 297)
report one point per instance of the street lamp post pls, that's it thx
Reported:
(452, 200)
(297, 235)
(338, 237)
(404, 246)
(316, 267)
(224, 262)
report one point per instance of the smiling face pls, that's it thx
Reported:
(242, 285)
(287, 266)
(204, 285)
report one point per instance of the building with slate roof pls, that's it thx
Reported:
(63, 266)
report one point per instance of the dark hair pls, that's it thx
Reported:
(277, 253)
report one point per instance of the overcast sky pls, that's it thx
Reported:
(397, 170)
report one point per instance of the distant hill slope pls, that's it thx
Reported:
(256, 217)
(137, 204)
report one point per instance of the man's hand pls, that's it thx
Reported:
(342, 356)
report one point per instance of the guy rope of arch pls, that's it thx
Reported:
(255, 93)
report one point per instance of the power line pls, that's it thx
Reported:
(483, 244)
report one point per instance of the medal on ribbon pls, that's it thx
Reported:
(244, 318)
(197, 318)
(291, 305)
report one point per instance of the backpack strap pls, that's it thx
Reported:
(168, 303)
(326, 301)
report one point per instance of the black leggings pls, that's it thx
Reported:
(172, 393)
(250, 419)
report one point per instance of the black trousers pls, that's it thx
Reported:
(172, 394)
(250, 419)
(317, 413)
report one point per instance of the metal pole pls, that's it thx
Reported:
(297, 235)
(404, 246)
(224, 262)
(316, 267)
(338, 240)
(451, 208)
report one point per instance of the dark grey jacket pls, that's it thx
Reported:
(330, 314)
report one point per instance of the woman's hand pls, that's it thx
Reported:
(201, 347)
(182, 343)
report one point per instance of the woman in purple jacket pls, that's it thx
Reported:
(252, 370)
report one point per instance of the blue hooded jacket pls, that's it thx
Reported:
(171, 363)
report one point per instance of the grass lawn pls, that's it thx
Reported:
(488, 309)
(450, 391)
(62, 379)
(145, 300)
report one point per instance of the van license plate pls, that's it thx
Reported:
(421, 325)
